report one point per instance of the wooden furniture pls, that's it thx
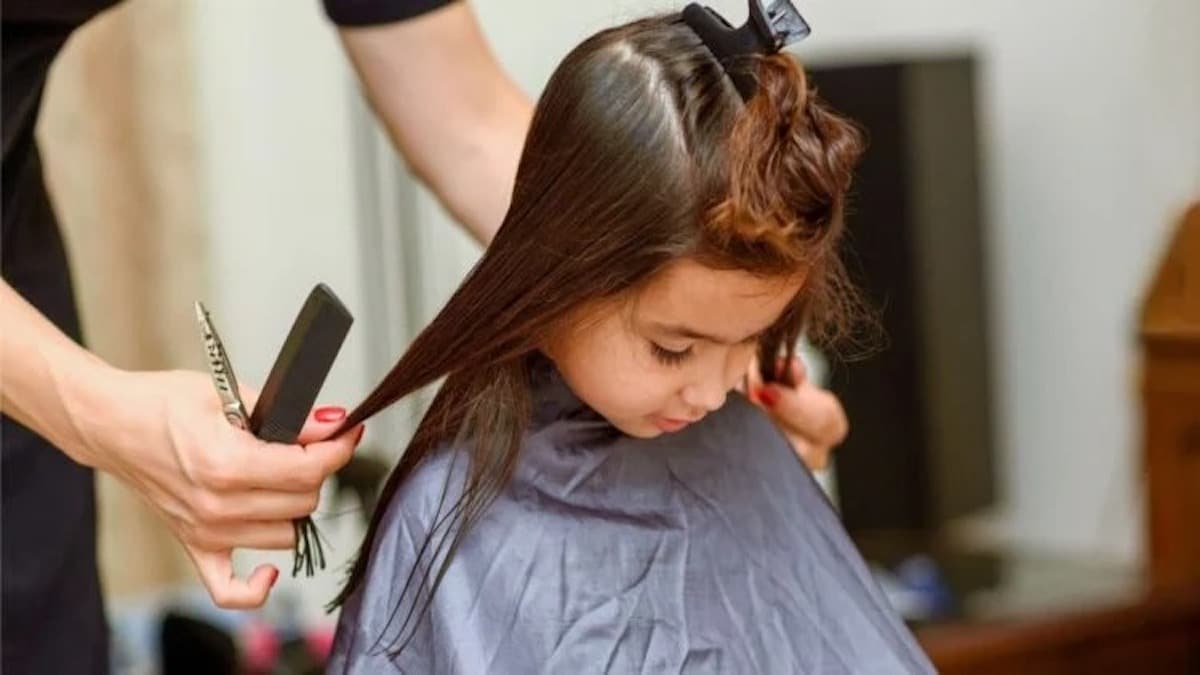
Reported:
(1157, 634)
(1151, 625)
(1171, 409)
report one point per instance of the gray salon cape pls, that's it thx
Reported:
(710, 550)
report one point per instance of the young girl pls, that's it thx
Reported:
(584, 493)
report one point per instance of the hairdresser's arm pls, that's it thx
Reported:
(449, 107)
(163, 434)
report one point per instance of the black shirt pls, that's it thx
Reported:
(53, 617)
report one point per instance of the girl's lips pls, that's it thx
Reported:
(670, 425)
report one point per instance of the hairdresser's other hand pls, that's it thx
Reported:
(218, 487)
(811, 417)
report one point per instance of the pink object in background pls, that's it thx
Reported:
(261, 646)
(320, 643)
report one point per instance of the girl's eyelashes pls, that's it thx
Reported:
(669, 357)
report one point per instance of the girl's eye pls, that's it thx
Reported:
(668, 357)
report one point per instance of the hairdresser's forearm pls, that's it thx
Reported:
(473, 174)
(449, 107)
(50, 384)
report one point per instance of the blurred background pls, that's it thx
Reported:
(1028, 164)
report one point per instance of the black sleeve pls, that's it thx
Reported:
(371, 12)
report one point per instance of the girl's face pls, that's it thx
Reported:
(666, 355)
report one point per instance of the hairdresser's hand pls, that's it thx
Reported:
(218, 487)
(811, 417)
(163, 434)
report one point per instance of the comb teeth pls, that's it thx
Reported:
(301, 367)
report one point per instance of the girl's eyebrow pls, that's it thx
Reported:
(676, 330)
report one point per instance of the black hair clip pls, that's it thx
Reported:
(769, 29)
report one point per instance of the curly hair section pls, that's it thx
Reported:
(791, 161)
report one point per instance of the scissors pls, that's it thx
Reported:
(222, 371)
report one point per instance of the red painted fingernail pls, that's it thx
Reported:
(330, 413)
(768, 396)
(274, 578)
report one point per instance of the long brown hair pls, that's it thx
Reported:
(640, 152)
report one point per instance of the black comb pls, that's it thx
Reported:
(292, 387)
